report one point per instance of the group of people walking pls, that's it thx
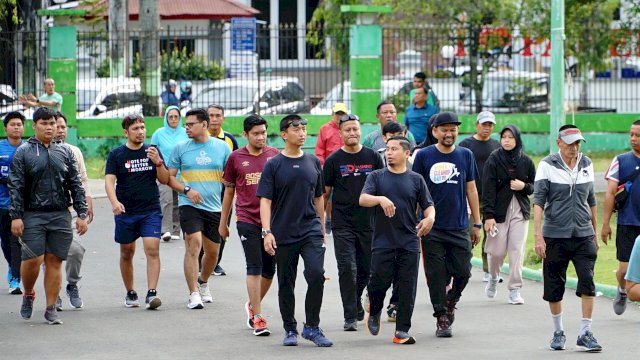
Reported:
(389, 207)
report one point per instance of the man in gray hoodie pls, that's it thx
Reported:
(564, 197)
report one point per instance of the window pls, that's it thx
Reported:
(288, 32)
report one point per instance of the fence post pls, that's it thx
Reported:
(365, 64)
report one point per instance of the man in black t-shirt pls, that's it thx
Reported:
(482, 145)
(345, 172)
(292, 216)
(396, 244)
(136, 205)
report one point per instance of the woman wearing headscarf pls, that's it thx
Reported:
(509, 175)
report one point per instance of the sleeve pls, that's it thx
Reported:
(472, 167)
(591, 197)
(59, 99)
(541, 185)
(227, 153)
(16, 185)
(489, 188)
(328, 172)
(111, 167)
(370, 185)
(83, 173)
(424, 197)
(418, 163)
(378, 162)
(613, 173)
(320, 179)
(174, 159)
(229, 175)
(528, 184)
(266, 183)
(321, 146)
(75, 183)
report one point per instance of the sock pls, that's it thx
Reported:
(585, 325)
(152, 292)
(557, 322)
(622, 290)
(131, 292)
(200, 281)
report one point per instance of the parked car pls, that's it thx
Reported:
(8, 100)
(342, 93)
(108, 98)
(266, 95)
(509, 91)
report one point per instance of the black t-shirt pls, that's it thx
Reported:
(407, 191)
(481, 151)
(136, 186)
(292, 184)
(346, 174)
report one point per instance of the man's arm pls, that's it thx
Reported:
(110, 188)
(77, 191)
(474, 204)
(229, 193)
(609, 199)
(594, 223)
(16, 184)
(368, 200)
(321, 147)
(85, 184)
(319, 204)
(265, 218)
(540, 246)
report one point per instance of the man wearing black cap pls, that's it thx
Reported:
(564, 195)
(450, 172)
(292, 216)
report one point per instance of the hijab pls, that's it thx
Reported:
(509, 158)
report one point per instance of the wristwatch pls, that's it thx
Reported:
(186, 189)
(477, 226)
(266, 232)
(82, 216)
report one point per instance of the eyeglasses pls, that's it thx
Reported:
(296, 122)
(349, 117)
(188, 125)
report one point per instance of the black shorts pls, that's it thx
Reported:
(625, 238)
(46, 232)
(258, 261)
(579, 250)
(193, 220)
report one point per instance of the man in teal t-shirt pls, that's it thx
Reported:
(50, 99)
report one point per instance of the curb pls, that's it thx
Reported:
(536, 275)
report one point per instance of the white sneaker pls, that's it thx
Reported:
(515, 298)
(486, 277)
(175, 237)
(491, 288)
(195, 301)
(205, 293)
(166, 236)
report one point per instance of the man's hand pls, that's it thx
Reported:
(195, 197)
(81, 226)
(223, 230)
(387, 206)
(424, 226)
(270, 244)
(540, 246)
(489, 224)
(516, 185)
(605, 234)
(475, 236)
(17, 227)
(153, 155)
(117, 208)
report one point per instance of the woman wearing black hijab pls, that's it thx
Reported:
(508, 181)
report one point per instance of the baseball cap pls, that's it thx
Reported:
(571, 135)
(339, 107)
(486, 116)
(446, 118)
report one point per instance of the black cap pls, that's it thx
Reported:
(446, 118)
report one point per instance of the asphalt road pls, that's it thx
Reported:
(105, 329)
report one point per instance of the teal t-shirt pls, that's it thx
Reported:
(201, 166)
(55, 97)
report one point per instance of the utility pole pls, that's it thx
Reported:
(150, 57)
(118, 14)
(557, 71)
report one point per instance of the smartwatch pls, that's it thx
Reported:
(477, 226)
(186, 189)
(266, 232)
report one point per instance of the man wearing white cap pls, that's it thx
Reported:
(564, 195)
(482, 145)
(329, 140)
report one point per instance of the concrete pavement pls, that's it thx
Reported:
(105, 329)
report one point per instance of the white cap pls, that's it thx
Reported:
(486, 116)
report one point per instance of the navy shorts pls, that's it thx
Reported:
(130, 227)
(258, 261)
(625, 238)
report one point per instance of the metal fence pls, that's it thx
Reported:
(287, 73)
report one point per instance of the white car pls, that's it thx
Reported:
(266, 95)
(342, 93)
(108, 98)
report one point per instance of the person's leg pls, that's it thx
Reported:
(554, 271)
(518, 230)
(407, 268)
(633, 272)
(287, 265)
(30, 269)
(496, 249)
(312, 253)
(52, 278)
(166, 205)
(211, 243)
(74, 260)
(344, 242)
(58, 239)
(7, 245)
(152, 252)
(127, 251)
(433, 254)
(175, 215)
(16, 257)
(193, 244)
(363, 261)
(383, 264)
(458, 258)
(251, 241)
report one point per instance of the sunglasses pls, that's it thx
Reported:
(296, 122)
(349, 117)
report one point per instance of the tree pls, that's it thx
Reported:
(118, 39)
(150, 57)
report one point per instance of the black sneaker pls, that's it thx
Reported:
(392, 312)
(152, 300)
(588, 343)
(131, 300)
(558, 340)
(373, 324)
(350, 325)
(315, 335)
(219, 271)
(403, 337)
(443, 327)
(360, 316)
(451, 311)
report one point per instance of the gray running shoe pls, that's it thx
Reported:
(131, 300)
(558, 340)
(152, 301)
(74, 296)
(588, 343)
(620, 303)
(51, 315)
(26, 310)
(491, 288)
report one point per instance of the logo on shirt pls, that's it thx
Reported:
(252, 178)
(443, 172)
(137, 165)
(355, 170)
(203, 159)
(245, 163)
(296, 166)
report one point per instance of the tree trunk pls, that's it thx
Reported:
(150, 57)
(118, 39)
(476, 82)
(584, 86)
(30, 45)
